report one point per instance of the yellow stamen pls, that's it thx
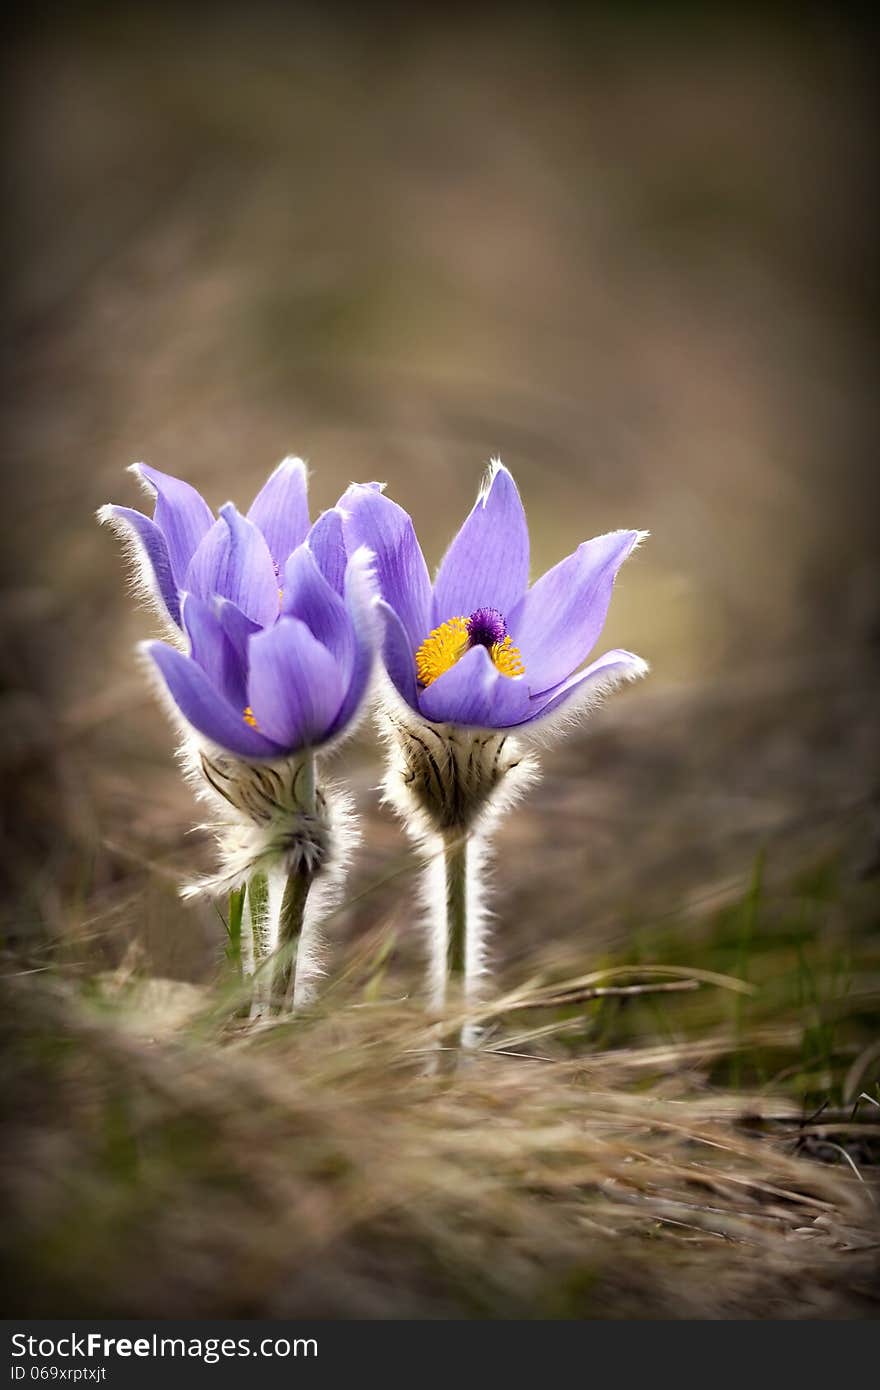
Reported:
(443, 647)
(507, 658)
(248, 717)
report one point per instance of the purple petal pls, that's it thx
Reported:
(309, 597)
(587, 687)
(233, 561)
(152, 547)
(281, 509)
(238, 627)
(558, 622)
(474, 692)
(182, 515)
(328, 547)
(295, 685)
(223, 662)
(360, 601)
(398, 656)
(375, 521)
(487, 565)
(202, 705)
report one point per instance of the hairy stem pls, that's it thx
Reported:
(455, 978)
(234, 929)
(291, 914)
(254, 940)
(455, 856)
(257, 902)
(290, 925)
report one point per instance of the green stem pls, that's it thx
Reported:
(256, 896)
(258, 908)
(455, 988)
(305, 783)
(233, 929)
(456, 913)
(293, 907)
(293, 903)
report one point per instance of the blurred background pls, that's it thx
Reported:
(630, 251)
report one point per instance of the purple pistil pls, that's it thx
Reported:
(486, 627)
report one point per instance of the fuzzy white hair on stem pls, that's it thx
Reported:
(475, 851)
(450, 785)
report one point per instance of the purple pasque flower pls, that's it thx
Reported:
(480, 647)
(278, 619)
(184, 549)
(267, 690)
(298, 682)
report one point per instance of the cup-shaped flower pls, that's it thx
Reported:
(274, 632)
(184, 549)
(480, 648)
(295, 681)
(478, 659)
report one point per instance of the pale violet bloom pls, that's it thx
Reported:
(480, 647)
(277, 616)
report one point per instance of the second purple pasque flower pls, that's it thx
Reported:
(480, 647)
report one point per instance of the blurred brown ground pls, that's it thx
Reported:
(629, 255)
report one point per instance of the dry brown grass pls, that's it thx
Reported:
(157, 1166)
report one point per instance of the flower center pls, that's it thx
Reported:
(484, 628)
(247, 715)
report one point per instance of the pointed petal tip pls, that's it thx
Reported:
(632, 538)
(495, 469)
(140, 472)
(232, 516)
(353, 491)
(629, 538)
(582, 692)
(146, 476)
(147, 663)
(145, 650)
(280, 509)
(637, 536)
(487, 562)
(292, 463)
(639, 667)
